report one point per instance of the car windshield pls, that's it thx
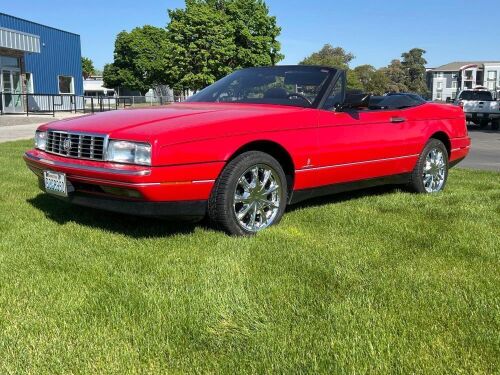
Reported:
(476, 95)
(296, 86)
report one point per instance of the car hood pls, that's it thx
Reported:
(146, 124)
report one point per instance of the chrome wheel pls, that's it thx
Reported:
(257, 197)
(434, 173)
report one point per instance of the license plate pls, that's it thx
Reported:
(55, 183)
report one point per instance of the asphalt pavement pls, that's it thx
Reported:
(485, 150)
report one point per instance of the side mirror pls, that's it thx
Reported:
(356, 101)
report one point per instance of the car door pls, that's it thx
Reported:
(364, 144)
(358, 145)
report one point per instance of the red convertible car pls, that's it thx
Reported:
(247, 146)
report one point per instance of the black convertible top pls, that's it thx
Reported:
(395, 101)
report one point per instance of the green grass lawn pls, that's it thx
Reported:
(379, 281)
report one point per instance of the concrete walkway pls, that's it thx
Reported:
(17, 127)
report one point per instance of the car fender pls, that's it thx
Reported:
(300, 144)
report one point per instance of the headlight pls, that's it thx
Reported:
(40, 140)
(129, 152)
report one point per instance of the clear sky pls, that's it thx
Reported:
(375, 31)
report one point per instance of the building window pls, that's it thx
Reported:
(29, 83)
(9, 62)
(454, 84)
(492, 75)
(439, 75)
(439, 95)
(440, 85)
(66, 85)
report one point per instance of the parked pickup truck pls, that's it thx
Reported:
(479, 107)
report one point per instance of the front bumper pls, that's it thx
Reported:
(175, 209)
(180, 190)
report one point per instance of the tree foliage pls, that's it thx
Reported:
(201, 47)
(210, 38)
(372, 80)
(256, 33)
(414, 66)
(396, 77)
(335, 57)
(87, 67)
(364, 74)
(378, 83)
(202, 43)
(353, 82)
(140, 59)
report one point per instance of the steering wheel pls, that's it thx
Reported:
(300, 96)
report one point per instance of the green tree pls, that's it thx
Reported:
(140, 59)
(378, 84)
(115, 77)
(414, 66)
(255, 33)
(211, 38)
(335, 57)
(353, 81)
(201, 48)
(372, 80)
(364, 74)
(87, 67)
(396, 76)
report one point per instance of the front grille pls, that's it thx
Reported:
(76, 145)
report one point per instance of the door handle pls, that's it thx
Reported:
(396, 120)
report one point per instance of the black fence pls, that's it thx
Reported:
(26, 104)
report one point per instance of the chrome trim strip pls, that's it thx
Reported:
(144, 172)
(203, 181)
(99, 181)
(354, 163)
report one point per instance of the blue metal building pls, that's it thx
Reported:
(37, 59)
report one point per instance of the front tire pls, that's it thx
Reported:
(431, 172)
(249, 195)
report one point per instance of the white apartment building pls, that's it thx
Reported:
(447, 80)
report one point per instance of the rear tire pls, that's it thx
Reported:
(249, 195)
(483, 124)
(431, 171)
